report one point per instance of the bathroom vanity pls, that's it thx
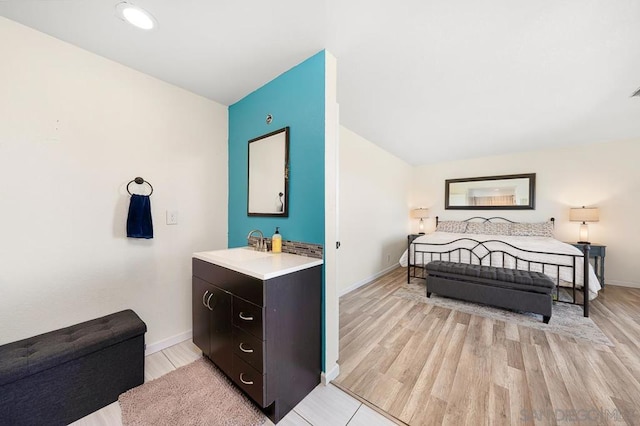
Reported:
(257, 316)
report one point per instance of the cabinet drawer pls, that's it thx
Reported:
(249, 348)
(244, 286)
(248, 317)
(250, 380)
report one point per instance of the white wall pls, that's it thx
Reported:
(74, 129)
(603, 175)
(374, 190)
(331, 207)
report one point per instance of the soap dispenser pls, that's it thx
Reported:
(276, 241)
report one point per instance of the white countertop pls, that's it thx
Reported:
(261, 265)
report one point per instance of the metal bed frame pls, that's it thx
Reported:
(484, 256)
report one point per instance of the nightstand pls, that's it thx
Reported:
(412, 237)
(597, 252)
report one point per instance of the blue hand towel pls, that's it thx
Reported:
(139, 223)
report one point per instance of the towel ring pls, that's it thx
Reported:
(139, 181)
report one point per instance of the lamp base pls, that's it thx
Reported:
(420, 233)
(584, 233)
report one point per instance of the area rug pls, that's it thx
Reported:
(196, 394)
(566, 319)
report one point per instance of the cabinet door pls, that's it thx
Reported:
(201, 315)
(221, 329)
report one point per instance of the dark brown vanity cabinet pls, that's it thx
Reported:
(264, 335)
(212, 331)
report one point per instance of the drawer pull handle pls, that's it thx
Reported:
(209, 300)
(242, 317)
(203, 297)
(245, 382)
(249, 351)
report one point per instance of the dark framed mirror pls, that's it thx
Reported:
(506, 192)
(268, 190)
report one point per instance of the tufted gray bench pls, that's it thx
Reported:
(61, 376)
(514, 289)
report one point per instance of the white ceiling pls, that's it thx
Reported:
(427, 80)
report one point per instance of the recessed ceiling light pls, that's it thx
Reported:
(135, 15)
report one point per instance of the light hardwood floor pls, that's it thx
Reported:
(425, 364)
(325, 406)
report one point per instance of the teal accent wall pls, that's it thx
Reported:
(295, 99)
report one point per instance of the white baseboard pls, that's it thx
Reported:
(164, 344)
(367, 280)
(622, 284)
(325, 378)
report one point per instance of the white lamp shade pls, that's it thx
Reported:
(420, 213)
(584, 214)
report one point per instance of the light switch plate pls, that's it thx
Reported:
(172, 217)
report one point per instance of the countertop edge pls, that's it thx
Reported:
(245, 267)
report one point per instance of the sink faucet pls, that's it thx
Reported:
(261, 245)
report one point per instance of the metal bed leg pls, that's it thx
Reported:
(585, 278)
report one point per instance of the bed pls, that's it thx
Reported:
(500, 242)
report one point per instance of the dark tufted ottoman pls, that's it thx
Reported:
(58, 377)
(505, 288)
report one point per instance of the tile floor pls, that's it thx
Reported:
(326, 405)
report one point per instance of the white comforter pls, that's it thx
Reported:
(545, 244)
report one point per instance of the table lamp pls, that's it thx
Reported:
(420, 213)
(584, 214)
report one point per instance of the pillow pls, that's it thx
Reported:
(497, 228)
(488, 228)
(542, 229)
(475, 228)
(452, 226)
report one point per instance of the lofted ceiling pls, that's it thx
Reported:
(426, 80)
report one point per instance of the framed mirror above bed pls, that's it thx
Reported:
(506, 192)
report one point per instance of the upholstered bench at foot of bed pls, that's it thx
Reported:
(61, 376)
(514, 289)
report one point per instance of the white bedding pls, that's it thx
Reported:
(545, 244)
